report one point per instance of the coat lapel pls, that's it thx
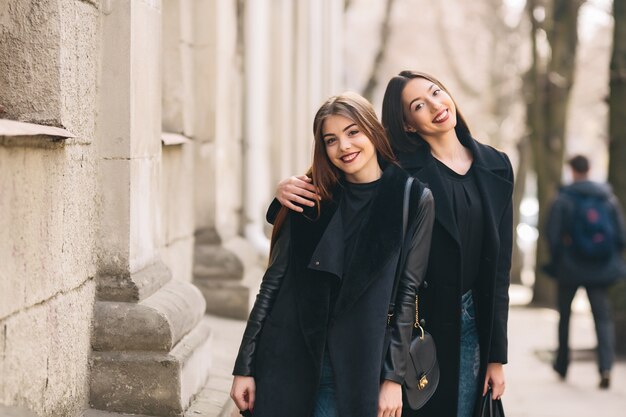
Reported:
(329, 252)
(491, 178)
(423, 165)
(378, 240)
(313, 287)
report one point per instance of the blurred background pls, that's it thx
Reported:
(141, 142)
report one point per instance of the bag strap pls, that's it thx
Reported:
(401, 258)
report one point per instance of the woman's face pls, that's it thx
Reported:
(350, 150)
(428, 109)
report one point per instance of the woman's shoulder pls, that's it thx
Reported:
(493, 159)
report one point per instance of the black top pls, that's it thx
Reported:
(468, 212)
(354, 205)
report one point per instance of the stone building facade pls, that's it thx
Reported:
(140, 141)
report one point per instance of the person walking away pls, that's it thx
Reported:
(586, 235)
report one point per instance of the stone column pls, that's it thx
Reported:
(150, 347)
(225, 264)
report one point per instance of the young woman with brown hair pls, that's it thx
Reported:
(314, 342)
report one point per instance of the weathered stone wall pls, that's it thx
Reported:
(177, 208)
(49, 57)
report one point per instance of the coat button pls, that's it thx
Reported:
(317, 263)
(425, 284)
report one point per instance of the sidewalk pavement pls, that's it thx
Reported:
(533, 388)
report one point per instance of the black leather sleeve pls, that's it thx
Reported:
(411, 278)
(272, 211)
(272, 279)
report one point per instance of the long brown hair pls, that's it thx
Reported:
(325, 175)
(393, 112)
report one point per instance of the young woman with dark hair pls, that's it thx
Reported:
(464, 296)
(315, 340)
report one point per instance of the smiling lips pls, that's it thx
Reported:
(349, 157)
(442, 116)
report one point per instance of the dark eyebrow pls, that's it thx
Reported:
(344, 129)
(418, 98)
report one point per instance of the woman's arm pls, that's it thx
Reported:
(279, 259)
(292, 192)
(411, 278)
(499, 342)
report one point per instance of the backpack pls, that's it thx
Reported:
(592, 226)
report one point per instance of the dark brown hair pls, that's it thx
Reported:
(579, 164)
(324, 174)
(393, 112)
(360, 111)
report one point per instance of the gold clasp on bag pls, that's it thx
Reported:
(422, 383)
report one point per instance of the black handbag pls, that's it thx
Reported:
(490, 407)
(422, 373)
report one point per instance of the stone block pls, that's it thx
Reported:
(152, 383)
(119, 285)
(44, 354)
(178, 256)
(6, 411)
(212, 262)
(157, 323)
(225, 298)
(47, 233)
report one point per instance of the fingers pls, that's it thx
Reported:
(239, 399)
(243, 392)
(497, 390)
(251, 398)
(389, 412)
(290, 205)
(297, 190)
(390, 400)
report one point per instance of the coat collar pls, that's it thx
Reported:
(493, 180)
(379, 239)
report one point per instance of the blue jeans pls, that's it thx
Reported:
(326, 401)
(469, 358)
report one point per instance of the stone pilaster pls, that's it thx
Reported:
(151, 349)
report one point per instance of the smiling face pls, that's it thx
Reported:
(428, 109)
(350, 150)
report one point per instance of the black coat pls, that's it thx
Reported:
(440, 294)
(292, 320)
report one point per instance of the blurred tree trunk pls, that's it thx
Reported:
(617, 148)
(548, 85)
(385, 32)
(504, 89)
(524, 162)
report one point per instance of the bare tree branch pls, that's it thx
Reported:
(449, 53)
(385, 32)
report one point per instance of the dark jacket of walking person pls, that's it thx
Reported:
(315, 337)
(586, 235)
(464, 298)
